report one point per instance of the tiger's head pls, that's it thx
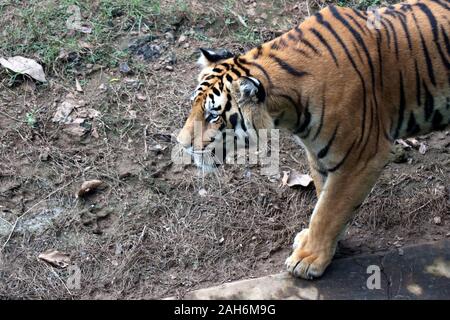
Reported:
(227, 97)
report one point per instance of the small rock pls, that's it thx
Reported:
(186, 45)
(400, 251)
(202, 192)
(398, 154)
(44, 156)
(141, 97)
(169, 36)
(182, 38)
(77, 127)
(437, 220)
(264, 16)
(124, 68)
(169, 68)
(172, 58)
(102, 87)
(251, 12)
(87, 187)
(423, 148)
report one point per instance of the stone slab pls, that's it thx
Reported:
(417, 272)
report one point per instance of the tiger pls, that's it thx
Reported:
(347, 83)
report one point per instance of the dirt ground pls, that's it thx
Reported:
(148, 232)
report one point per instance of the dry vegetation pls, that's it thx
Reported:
(148, 233)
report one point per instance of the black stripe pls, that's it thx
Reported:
(215, 91)
(304, 41)
(322, 115)
(405, 29)
(258, 52)
(436, 121)
(401, 108)
(306, 134)
(243, 126)
(228, 104)
(418, 91)
(233, 120)
(274, 46)
(426, 53)
(301, 51)
(309, 45)
(358, 53)
(257, 65)
(299, 32)
(359, 14)
(325, 43)
(357, 23)
(226, 65)
(337, 166)
(413, 127)
(238, 62)
(443, 5)
(323, 153)
(229, 78)
(287, 67)
(291, 37)
(446, 40)
(306, 121)
(236, 72)
(405, 7)
(429, 102)
(387, 33)
(380, 59)
(369, 134)
(395, 36)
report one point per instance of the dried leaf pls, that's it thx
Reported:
(78, 86)
(413, 142)
(141, 97)
(76, 127)
(293, 179)
(85, 29)
(403, 143)
(55, 258)
(63, 111)
(423, 148)
(26, 66)
(88, 187)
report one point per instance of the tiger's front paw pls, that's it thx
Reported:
(305, 261)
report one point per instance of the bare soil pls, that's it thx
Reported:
(148, 233)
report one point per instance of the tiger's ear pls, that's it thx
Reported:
(209, 56)
(251, 90)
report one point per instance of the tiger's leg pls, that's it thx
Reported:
(342, 194)
(318, 174)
